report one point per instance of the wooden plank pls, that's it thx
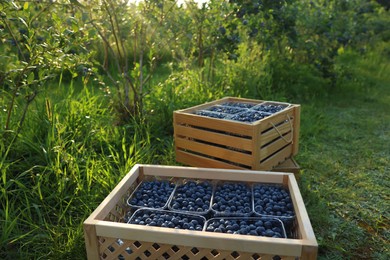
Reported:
(213, 151)
(115, 195)
(213, 137)
(269, 163)
(297, 123)
(274, 146)
(309, 252)
(276, 119)
(275, 132)
(213, 123)
(256, 148)
(219, 241)
(91, 240)
(201, 161)
(214, 174)
(305, 228)
(289, 165)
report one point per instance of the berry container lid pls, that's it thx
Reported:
(255, 226)
(232, 199)
(149, 193)
(188, 197)
(167, 219)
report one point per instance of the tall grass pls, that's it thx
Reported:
(67, 158)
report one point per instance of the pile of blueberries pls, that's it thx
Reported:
(169, 219)
(152, 194)
(239, 111)
(211, 114)
(269, 108)
(250, 116)
(238, 104)
(226, 109)
(192, 196)
(250, 226)
(233, 199)
(273, 200)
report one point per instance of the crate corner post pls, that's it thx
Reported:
(309, 252)
(91, 240)
(296, 127)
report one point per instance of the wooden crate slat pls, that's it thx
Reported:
(214, 151)
(276, 158)
(213, 173)
(273, 133)
(289, 165)
(202, 161)
(297, 127)
(275, 146)
(210, 123)
(276, 119)
(213, 137)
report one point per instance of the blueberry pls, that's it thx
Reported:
(218, 230)
(232, 198)
(269, 108)
(210, 114)
(249, 116)
(226, 109)
(167, 219)
(192, 196)
(272, 200)
(152, 194)
(238, 104)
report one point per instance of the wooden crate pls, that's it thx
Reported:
(289, 165)
(220, 143)
(108, 237)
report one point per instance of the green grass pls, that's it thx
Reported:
(345, 158)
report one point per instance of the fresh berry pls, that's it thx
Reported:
(152, 194)
(232, 198)
(226, 109)
(192, 196)
(249, 116)
(238, 104)
(168, 219)
(210, 114)
(251, 226)
(269, 108)
(273, 200)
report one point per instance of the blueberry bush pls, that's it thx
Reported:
(87, 89)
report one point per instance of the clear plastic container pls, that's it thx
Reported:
(232, 199)
(192, 196)
(255, 226)
(167, 219)
(152, 192)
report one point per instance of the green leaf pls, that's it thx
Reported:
(30, 78)
(23, 22)
(25, 6)
(340, 51)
